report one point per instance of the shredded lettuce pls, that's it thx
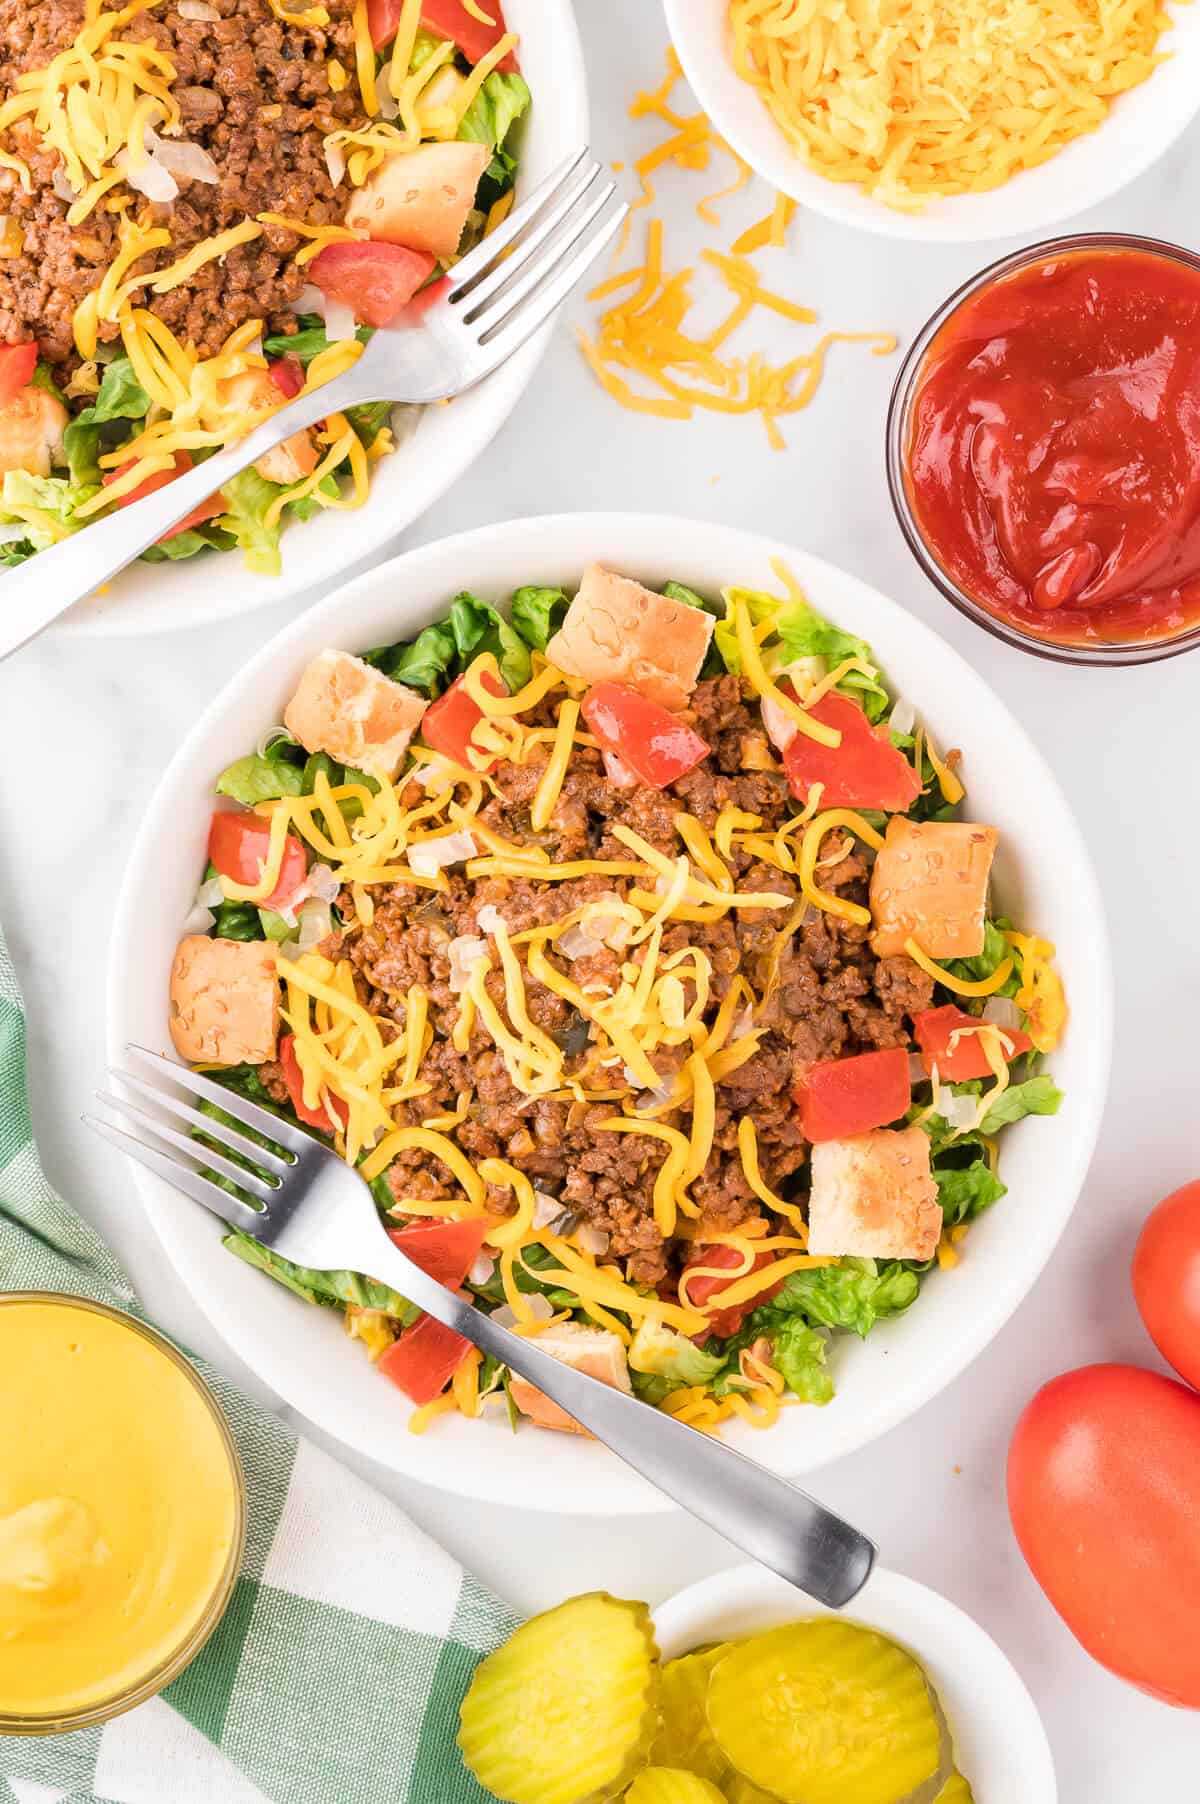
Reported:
(52, 495)
(332, 1289)
(249, 496)
(803, 633)
(490, 118)
(799, 1355)
(435, 657)
(537, 614)
(976, 970)
(853, 1295)
(965, 1191)
(659, 1352)
(1036, 1096)
(308, 340)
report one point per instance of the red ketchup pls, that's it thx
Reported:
(1053, 454)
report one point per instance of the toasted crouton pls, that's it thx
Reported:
(31, 431)
(253, 392)
(421, 199)
(224, 1001)
(617, 632)
(930, 885)
(874, 1197)
(591, 1350)
(355, 713)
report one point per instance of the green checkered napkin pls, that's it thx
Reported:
(336, 1674)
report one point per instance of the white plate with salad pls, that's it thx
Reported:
(849, 1333)
(243, 255)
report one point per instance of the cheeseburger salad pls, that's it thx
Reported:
(636, 948)
(206, 208)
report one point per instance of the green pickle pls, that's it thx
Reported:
(684, 1739)
(955, 1791)
(671, 1785)
(825, 1712)
(565, 1712)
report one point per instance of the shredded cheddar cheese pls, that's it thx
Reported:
(960, 986)
(1041, 993)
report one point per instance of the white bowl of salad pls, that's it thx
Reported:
(157, 308)
(898, 992)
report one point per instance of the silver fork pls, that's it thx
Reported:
(450, 337)
(311, 1208)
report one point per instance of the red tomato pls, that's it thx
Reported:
(237, 845)
(293, 1078)
(17, 364)
(1104, 1494)
(935, 1026)
(204, 510)
(842, 1097)
(724, 1322)
(649, 740)
(447, 724)
(450, 19)
(446, 1250)
(864, 771)
(424, 1360)
(287, 373)
(377, 280)
(1166, 1280)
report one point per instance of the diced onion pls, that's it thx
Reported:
(323, 883)
(575, 943)
(335, 163)
(211, 893)
(309, 300)
(198, 919)
(617, 771)
(917, 1073)
(316, 924)
(958, 1110)
(340, 321)
(269, 738)
(199, 12)
(464, 952)
(540, 1308)
(592, 1240)
(150, 178)
(481, 1270)
(903, 717)
(546, 1208)
(489, 918)
(1003, 1012)
(62, 186)
(188, 161)
(389, 106)
(429, 856)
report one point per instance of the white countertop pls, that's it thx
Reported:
(87, 726)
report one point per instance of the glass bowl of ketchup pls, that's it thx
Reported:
(1043, 449)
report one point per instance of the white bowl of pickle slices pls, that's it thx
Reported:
(740, 1690)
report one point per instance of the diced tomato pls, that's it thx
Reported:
(864, 771)
(447, 724)
(649, 740)
(724, 1322)
(934, 1028)
(292, 1077)
(287, 373)
(450, 19)
(238, 845)
(203, 510)
(376, 280)
(842, 1097)
(17, 364)
(383, 17)
(445, 1250)
(424, 1360)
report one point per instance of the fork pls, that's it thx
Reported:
(450, 337)
(311, 1208)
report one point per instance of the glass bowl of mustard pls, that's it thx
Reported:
(1041, 449)
(122, 1512)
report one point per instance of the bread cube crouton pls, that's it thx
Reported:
(591, 1350)
(31, 431)
(252, 393)
(874, 1197)
(224, 1001)
(617, 632)
(355, 713)
(421, 199)
(930, 885)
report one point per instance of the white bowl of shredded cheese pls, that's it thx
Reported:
(1042, 875)
(990, 89)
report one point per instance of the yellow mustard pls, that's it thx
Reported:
(119, 1507)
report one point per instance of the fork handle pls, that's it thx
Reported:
(45, 586)
(768, 1518)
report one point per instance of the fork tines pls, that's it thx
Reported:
(526, 268)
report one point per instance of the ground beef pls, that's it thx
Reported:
(255, 94)
(826, 994)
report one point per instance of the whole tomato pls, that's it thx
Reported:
(1166, 1280)
(1104, 1494)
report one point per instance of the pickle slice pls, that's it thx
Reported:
(955, 1791)
(671, 1785)
(824, 1711)
(566, 1710)
(684, 1740)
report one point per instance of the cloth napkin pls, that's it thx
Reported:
(336, 1673)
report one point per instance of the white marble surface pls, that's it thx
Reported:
(86, 727)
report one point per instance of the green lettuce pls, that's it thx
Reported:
(977, 970)
(1036, 1096)
(332, 1289)
(308, 341)
(248, 496)
(431, 662)
(120, 397)
(490, 118)
(261, 779)
(52, 495)
(799, 1355)
(965, 1191)
(661, 1353)
(853, 1295)
(537, 614)
(803, 633)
